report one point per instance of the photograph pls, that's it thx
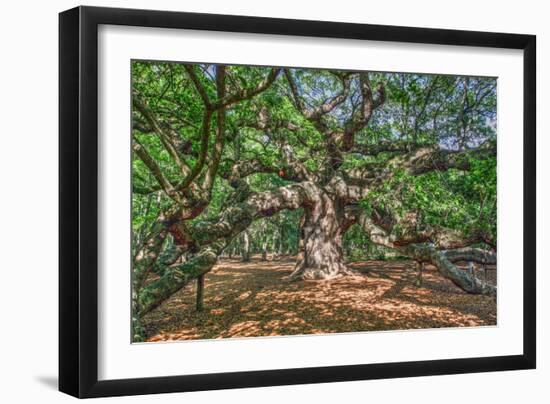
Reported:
(275, 202)
(278, 201)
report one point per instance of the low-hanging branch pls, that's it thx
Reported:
(436, 254)
(207, 239)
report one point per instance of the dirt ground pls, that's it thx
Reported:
(254, 299)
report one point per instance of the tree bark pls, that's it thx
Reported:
(320, 254)
(176, 277)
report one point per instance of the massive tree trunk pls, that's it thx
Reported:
(320, 254)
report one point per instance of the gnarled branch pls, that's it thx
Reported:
(248, 93)
(154, 168)
(427, 252)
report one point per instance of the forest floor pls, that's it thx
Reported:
(254, 299)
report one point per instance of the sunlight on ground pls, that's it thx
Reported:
(254, 299)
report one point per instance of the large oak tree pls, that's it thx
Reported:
(409, 159)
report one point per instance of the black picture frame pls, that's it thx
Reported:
(78, 201)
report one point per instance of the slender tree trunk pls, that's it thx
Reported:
(263, 244)
(419, 271)
(264, 251)
(264, 248)
(281, 250)
(200, 292)
(349, 249)
(274, 247)
(245, 248)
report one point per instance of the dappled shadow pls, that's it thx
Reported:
(253, 299)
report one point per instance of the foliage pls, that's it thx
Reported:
(453, 112)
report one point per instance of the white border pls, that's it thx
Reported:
(120, 359)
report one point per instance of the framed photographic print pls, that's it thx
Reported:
(251, 201)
